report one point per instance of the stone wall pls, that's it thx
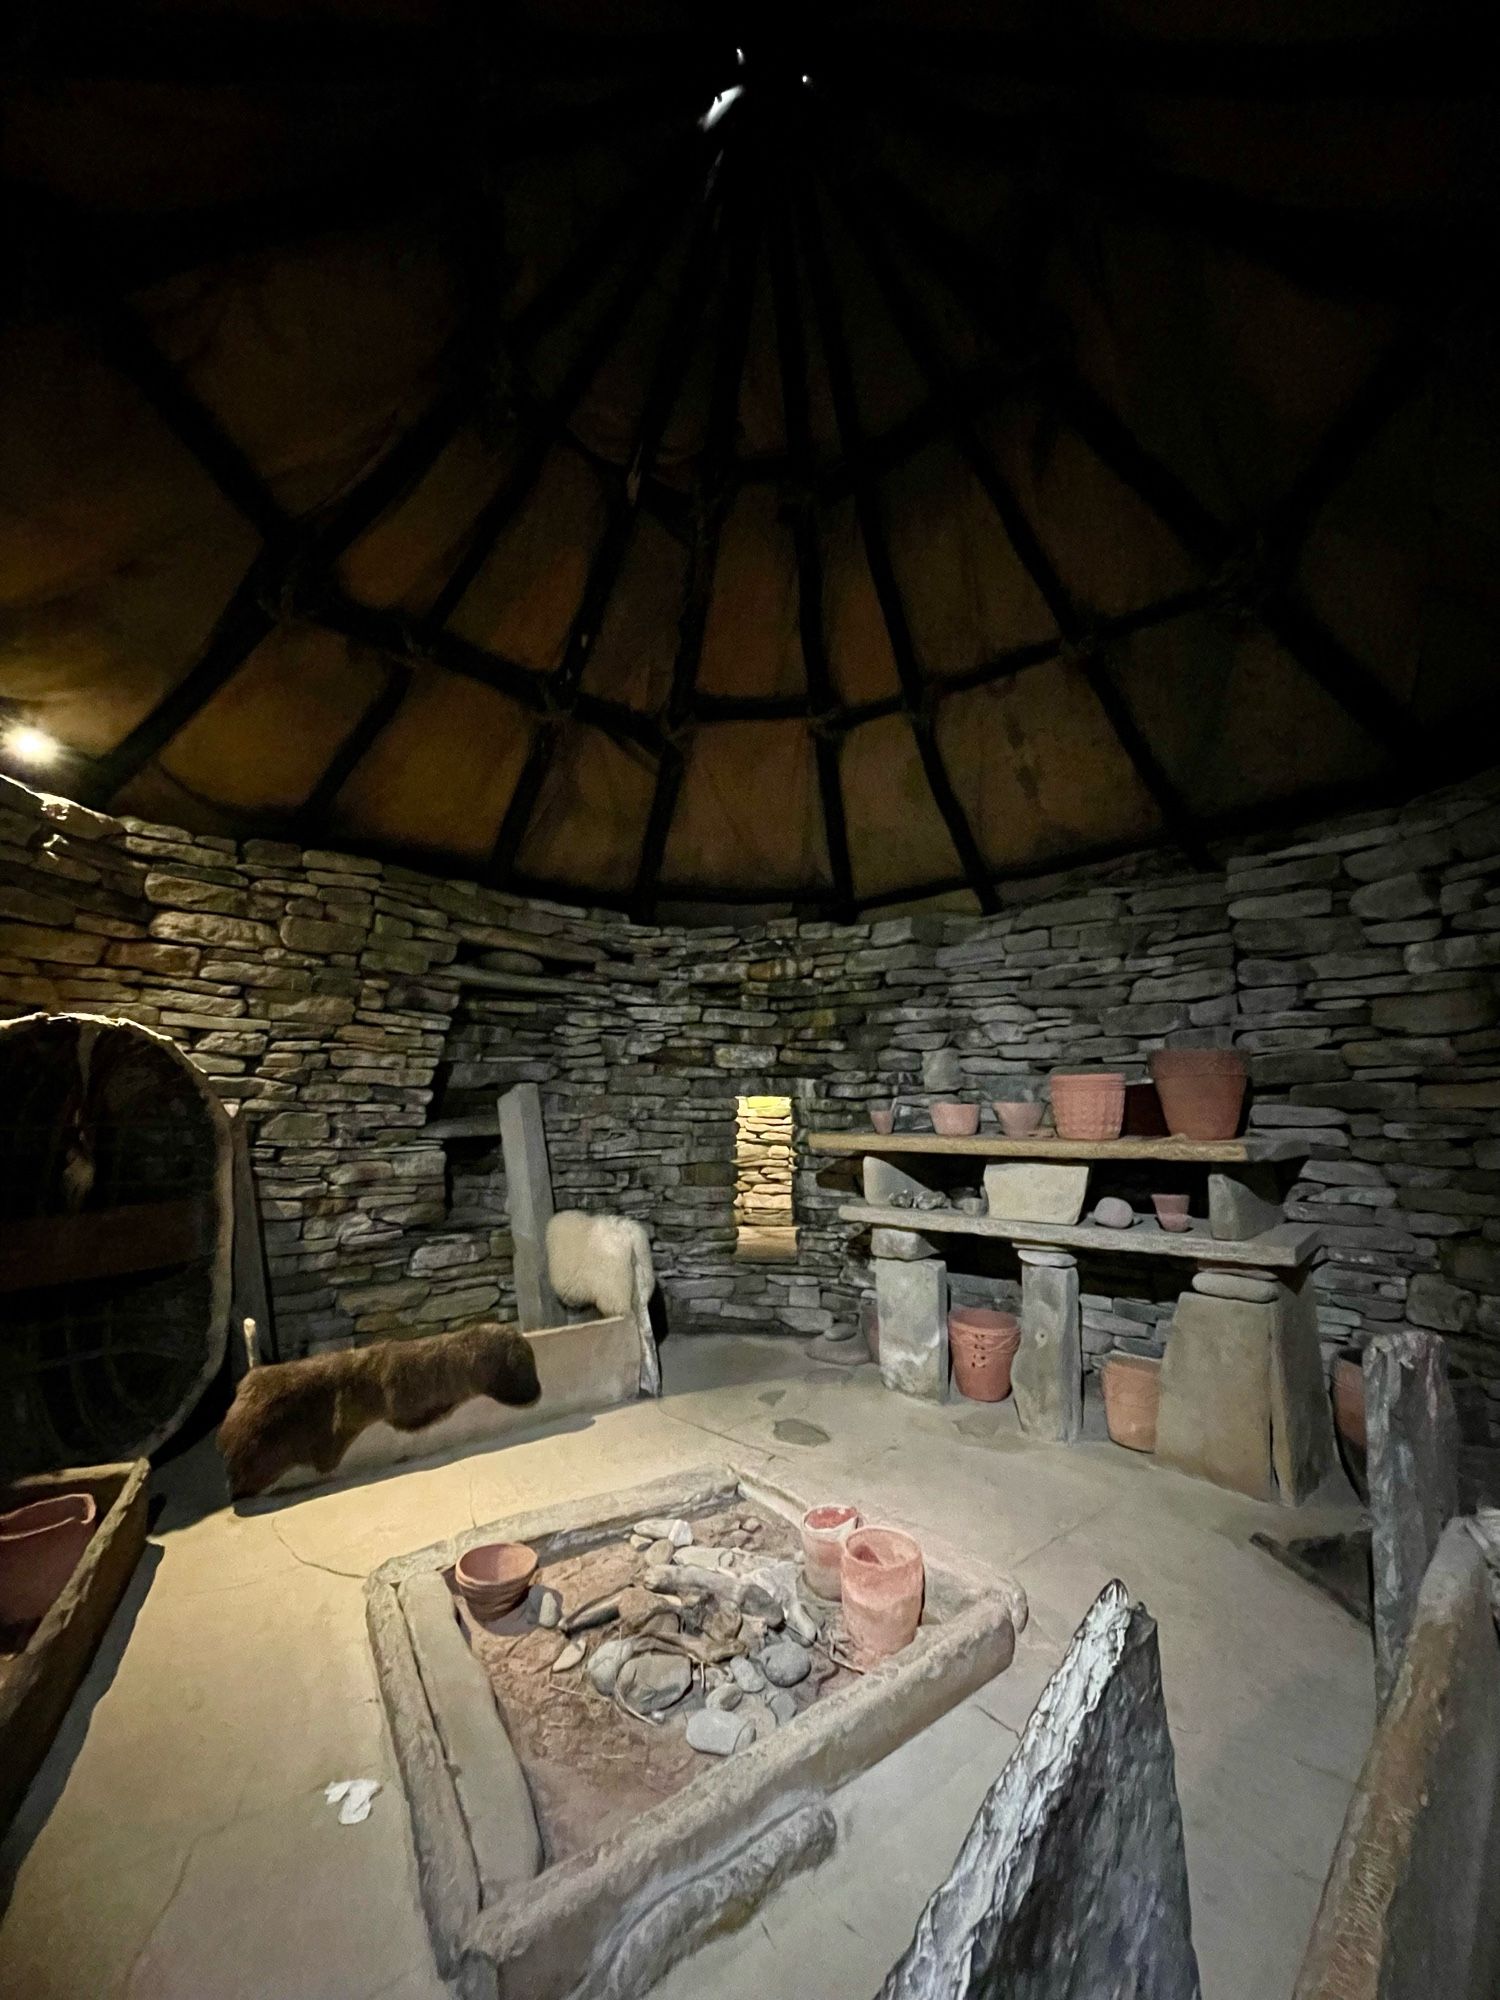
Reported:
(345, 1005)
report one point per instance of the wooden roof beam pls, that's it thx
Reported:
(877, 554)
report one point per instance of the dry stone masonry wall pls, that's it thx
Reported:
(763, 1161)
(342, 1006)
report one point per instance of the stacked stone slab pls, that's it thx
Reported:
(763, 1159)
(322, 993)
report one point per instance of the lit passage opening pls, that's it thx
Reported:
(765, 1226)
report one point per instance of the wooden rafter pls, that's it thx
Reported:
(716, 496)
(1209, 541)
(661, 396)
(539, 426)
(245, 621)
(1076, 626)
(868, 512)
(807, 544)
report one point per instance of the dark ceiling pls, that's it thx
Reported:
(826, 459)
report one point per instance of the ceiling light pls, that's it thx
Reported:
(30, 745)
(720, 105)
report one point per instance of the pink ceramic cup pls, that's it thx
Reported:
(824, 1533)
(1172, 1211)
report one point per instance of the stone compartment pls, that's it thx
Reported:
(516, 1905)
(42, 1664)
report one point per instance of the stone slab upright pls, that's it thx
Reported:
(912, 1301)
(528, 1185)
(1047, 1373)
(1072, 1880)
(1412, 1465)
(1214, 1420)
(1302, 1447)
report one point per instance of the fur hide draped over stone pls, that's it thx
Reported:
(604, 1261)
(309, 1412)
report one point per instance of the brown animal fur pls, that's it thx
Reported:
(309, 1412)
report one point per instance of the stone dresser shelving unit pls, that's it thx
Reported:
(1243, 1401)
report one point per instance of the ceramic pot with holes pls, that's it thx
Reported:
(881, 1583)
(1088, 1104)
(40, 1544)
(824, 1533)
(983, 1345)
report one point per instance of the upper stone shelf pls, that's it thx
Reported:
(989, 1146)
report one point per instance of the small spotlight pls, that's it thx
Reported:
(30, 745)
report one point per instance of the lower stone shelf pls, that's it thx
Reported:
(1282, 1248)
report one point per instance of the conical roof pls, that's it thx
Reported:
(822, 458)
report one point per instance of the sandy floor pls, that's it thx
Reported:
(177, 1845)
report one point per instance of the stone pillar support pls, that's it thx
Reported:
(911, 1298)
(1243, 1399)
(1047, 1373)
(528, 1196)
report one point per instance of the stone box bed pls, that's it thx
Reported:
(604, 1924)
(38, 1681)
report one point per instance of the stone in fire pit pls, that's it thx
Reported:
(665, 1776)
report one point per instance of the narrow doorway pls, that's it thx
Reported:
(765, 1226)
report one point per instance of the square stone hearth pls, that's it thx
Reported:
(509, 1921)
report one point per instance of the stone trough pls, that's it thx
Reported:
(526, 1900)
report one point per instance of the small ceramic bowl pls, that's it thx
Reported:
(1019, 1120)
(495, 1576)
(954, 1120)
(1172, 1211)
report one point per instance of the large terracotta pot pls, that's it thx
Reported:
(495, 1576)
(954, 1120)
(1087, 1104)
(983, 1345)
(824, 1533)
(1202, 1091)
(1132, 1396)
(39, 1549)
(881, 1580)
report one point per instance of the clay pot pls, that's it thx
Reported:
(495, 1576)
(39, 1549)
(1087, 1104)
(881, 1579)
(1018, 1120)
(1349, 1401)
(824, 1533)
(955, 1120)
(883, 1119)
(1202, 1091)
(983, 1345)
(1132, 1395)
(1172, 1211)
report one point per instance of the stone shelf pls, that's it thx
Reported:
(476, 1125)
(1284, 1247)
(989, 1146)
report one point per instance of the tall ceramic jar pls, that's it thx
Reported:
(883, 1578)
